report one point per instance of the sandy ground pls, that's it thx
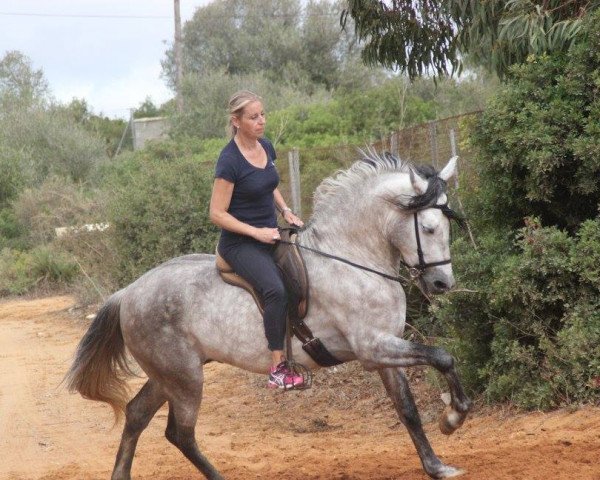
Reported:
(252, 433)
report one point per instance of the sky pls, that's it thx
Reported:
(97, 50)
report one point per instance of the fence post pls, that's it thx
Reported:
(394, 145)
(433, 143)
(462, 209)
(294, 163)
(453, 142)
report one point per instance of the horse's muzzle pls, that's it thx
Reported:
(436, 282)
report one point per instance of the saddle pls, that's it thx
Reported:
(290, 262)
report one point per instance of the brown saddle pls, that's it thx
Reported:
(293, 269)
(291, 264)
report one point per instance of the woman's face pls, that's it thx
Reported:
(252, 120)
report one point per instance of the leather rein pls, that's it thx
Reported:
(415, 271)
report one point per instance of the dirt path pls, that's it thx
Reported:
(249, 432)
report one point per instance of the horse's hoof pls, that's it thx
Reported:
(451, 472)
(444, 471)
(451, 420)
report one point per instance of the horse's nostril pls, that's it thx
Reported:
(440, 286)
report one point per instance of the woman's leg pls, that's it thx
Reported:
(254, 262)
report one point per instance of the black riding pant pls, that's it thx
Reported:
(253, 261)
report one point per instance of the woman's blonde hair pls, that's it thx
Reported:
(237, 102)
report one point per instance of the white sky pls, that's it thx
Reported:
(113, 63)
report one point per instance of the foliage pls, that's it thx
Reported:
(12, 179)
(277, 38)
(41, 267)
(530, 332)
(356, 117)
(464, 319)
(412, 36)
(148, 109)
(57, 202)
(206, 96)
(108, 130)
(12, 233)
(538, 140)
(20, 85)
(425, 35)
(159, 210)
(46, 142)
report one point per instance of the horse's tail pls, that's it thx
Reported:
(100, 367)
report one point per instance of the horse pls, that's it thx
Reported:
(381, 212)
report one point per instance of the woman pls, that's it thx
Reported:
(243, 203)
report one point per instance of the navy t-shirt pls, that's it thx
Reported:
(252, 200)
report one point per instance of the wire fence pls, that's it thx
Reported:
(432, 143)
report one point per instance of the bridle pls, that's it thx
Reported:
(415, 271)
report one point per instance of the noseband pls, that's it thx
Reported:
(415, 271)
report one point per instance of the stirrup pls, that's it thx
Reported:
(303, 371)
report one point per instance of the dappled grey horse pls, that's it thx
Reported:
(379, 213)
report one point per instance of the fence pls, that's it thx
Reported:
(429, 143)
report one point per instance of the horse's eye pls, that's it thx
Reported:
(428, 230)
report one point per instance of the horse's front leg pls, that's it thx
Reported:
(391, 351)
(398, 390)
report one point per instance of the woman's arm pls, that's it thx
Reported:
(286, 212)
(219, 204)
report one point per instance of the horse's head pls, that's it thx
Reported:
(405, 206)
(420, 228)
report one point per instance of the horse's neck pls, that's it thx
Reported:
(357, 238)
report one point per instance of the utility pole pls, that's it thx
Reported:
(178, 62)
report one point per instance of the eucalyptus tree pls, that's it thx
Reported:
(287, 41)
(421, 36)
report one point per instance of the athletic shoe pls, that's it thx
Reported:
(282, 377)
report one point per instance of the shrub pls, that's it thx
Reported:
(539, 139)
(531, 333)
(57, 202)
(159, 211)
(49, 142)
(40, 268)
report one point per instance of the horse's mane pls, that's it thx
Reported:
(371, 165)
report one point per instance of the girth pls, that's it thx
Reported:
(290, 262)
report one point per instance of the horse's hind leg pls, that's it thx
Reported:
(398, 389)
(138, 414)
(184, 405)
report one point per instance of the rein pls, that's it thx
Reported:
(398, 279)
(415, 271)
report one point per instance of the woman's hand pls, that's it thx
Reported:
(292, 219)
(266, 235)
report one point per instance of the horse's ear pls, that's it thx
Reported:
(449, 170)
(418, 183)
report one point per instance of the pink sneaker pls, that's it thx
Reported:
(282, 377)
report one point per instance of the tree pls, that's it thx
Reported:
(539, 139)
(147, 109)
(276, 38)
(20, 84)
(109, 130)
(420, 36)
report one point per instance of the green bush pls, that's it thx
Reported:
(539, 139)
(531, 332)
(159, 210)
(40, 268)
